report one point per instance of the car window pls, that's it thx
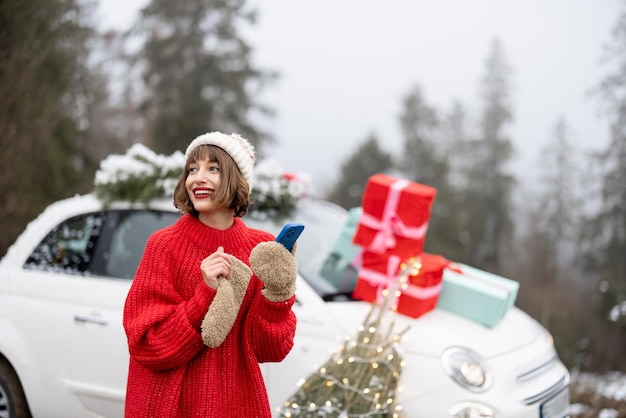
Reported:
(69, 247)
(323, 222)
(108, 243)
(129, 231)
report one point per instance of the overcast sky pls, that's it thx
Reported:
(345, 66)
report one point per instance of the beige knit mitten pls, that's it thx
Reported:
(277, 269)
(224, 308)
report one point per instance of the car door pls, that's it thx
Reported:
(96, 356)
(98, 362)
(317, 335)
(77, 321)
(58, 299)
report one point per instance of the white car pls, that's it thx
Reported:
(63, 350)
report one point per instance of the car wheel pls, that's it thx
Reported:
(12, 399)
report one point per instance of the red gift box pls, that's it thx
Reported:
(395, 216)
(418, 291)
(377, 272)
(421, 292)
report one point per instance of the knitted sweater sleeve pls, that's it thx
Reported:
(162, 328)
(273, 335)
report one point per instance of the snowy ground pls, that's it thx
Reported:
(598, 396)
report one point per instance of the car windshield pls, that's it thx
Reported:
(323, 222)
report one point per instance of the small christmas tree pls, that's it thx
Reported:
(362, 378)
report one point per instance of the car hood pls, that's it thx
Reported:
(438, 329)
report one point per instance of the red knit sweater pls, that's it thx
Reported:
(172, 373)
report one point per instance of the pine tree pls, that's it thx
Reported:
(488, 195)
(559, 200)
(605, 234)
(114, 121)
(554, 222)
(425, 160)
(367, 160)
(455, 144)
(447, 234)
(46, 87)
(198, 72)
(610, 223)
(419, 123)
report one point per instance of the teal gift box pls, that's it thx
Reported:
(341, 266)
(343, 244)
(476, 294)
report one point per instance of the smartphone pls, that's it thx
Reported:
(289, 234)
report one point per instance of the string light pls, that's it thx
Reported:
(361, 377)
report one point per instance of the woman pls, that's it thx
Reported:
(211, 298)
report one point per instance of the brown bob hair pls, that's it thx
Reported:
(233, 191)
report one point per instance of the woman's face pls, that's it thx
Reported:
(203, 179)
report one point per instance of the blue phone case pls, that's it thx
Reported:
(289, 234)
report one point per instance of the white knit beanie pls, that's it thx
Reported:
(241, 151)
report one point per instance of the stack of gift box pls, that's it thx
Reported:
(388, 234)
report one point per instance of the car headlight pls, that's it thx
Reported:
(470, 410)
(466, 368)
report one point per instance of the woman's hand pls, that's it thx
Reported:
(214, 266)
(277, 268)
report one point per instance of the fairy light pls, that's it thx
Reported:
(362, 376)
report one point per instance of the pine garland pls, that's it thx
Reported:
(141, 175)
(275, 191)
(138, 176)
